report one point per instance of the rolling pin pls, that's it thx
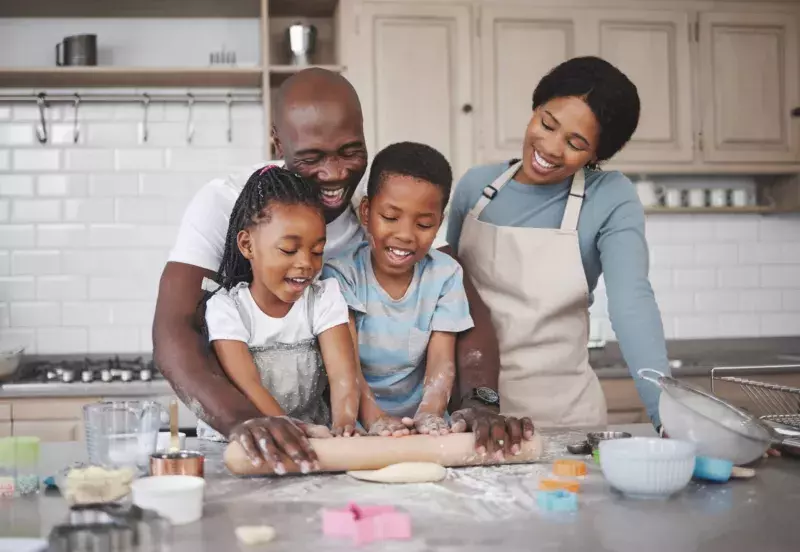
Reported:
(373, 453)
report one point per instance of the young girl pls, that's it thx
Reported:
(270, 323)
(407, 301)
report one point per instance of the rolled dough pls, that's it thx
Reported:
(404, 472)
(254, 534)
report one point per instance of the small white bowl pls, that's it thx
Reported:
(163, 443)
(643, 467)
(178, 498)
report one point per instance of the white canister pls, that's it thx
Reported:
(740, 198)
(718, 197)
(649, 194)
(697, 197)
(179, 498)
(673, 197)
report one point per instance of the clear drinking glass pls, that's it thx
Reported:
(122, 433)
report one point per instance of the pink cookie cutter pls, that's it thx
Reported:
(366, 524)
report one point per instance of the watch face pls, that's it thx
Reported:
(487, 395)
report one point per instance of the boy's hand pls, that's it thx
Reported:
(387, 426)
(430, 424)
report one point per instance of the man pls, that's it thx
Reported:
(318, 131)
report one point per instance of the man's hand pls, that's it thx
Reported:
(275, 439)
(494, 433)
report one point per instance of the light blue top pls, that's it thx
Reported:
(393, 334)
(612, 242)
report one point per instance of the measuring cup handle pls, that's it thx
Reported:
(651, 379)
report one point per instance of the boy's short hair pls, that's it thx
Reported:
(411, 159)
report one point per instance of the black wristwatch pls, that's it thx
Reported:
(485, 395)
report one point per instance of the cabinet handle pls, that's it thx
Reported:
(796, 112)
(466, 108)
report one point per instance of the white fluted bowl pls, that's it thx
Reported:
(644, 467)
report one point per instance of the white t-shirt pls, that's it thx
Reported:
(258, 329)
(201, 237)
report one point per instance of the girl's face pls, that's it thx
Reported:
(402, 220)
(285, 251)
(561, 138)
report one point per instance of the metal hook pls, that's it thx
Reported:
(41, 130)
(190, 119)
(76, 133)
(229, 103)
(145, 106)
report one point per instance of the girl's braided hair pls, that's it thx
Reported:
(263, 189)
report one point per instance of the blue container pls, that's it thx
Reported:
(712, 469)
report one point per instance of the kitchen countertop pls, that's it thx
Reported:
(158, 387)
(474, 509)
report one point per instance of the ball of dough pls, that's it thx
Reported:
(404, 472)
(254, 534)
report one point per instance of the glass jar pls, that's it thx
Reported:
(7, 470)
(27, 465)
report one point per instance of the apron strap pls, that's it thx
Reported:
(490, 191)
(574, 202)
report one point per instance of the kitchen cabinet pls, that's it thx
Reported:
(412, 67)
(749, 86)
(50, 430)
(50, 419)
(5, 429)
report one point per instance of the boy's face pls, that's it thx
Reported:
(402, 220)
(284, 251)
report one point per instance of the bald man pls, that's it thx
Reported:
(318, 133)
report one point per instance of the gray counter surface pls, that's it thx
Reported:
(474, 509)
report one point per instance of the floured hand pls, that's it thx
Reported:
(387, 426)
(430, 424)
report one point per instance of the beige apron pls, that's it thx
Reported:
(532, 280)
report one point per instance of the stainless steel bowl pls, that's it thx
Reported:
(9, 361)
(594, 438)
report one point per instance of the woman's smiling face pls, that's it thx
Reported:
(561, 138)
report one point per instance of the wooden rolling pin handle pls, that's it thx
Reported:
(373, 453)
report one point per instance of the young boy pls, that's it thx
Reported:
(407, 302)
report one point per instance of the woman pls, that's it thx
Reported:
(536, 234)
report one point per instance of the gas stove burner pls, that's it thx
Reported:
(146, 375)
(67, 376)
(90, 371)
(106, 376)
(87, 376)
(125, 375)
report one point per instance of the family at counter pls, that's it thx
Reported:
(289, 310)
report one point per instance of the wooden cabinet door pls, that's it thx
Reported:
(519, 46)
(749, 85)
(653, 49)
(412, 67)
(5, 429)
(50, 430)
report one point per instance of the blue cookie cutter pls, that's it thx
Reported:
(557, 501)
(712, 469)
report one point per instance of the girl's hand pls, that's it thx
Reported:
(430, 424)
(347, 429)
(387, 426)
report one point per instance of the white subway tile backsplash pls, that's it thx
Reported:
(132, 313)
(700, 326)
(736, 228)
(16, 185)
(169, 185)
(31, 113)
(163, 134)
(123, 339)
(675, 302)
(759, 300)
(5, 112)
(780, 277)
(5, 160)
(5, 263)
(694, 278)
(738, 277)
(790, 301)
(132, 235)
(150, 210)
(5, 210)
(73, 185)
(35, 315)
(36, 160)
(64, 133)
(113, 185)
(739, 325)
(112, 134)
(760, 253)
(778, 229)
(224, 161)
(5, 319)
(16, 134)
(86, 314)
(660, 279)
(62, 340)
(35, 263)
(140, 159)
(13, 236)
(128, 288)
(146, 338)
(85, 159)
(89, 210)
(791, 253)
(114, 262)
(668, 256)
(784, 324)
(62, 288)
(717, 254)
(11, 338)
(17, 288)
(716, 301)
(65, 236)
(36, 210)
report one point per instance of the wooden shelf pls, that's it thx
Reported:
(304, 8)
(88, 77)
(755, 209)
(132, 8)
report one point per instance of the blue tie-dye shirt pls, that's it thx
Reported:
(393, 334)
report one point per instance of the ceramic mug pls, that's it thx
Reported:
(718, 197)
(740, 198)
(649, 194)
(697, 197)
(673, 198)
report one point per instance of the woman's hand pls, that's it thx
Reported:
(430, 424)
(387, 426)
(275, 439)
